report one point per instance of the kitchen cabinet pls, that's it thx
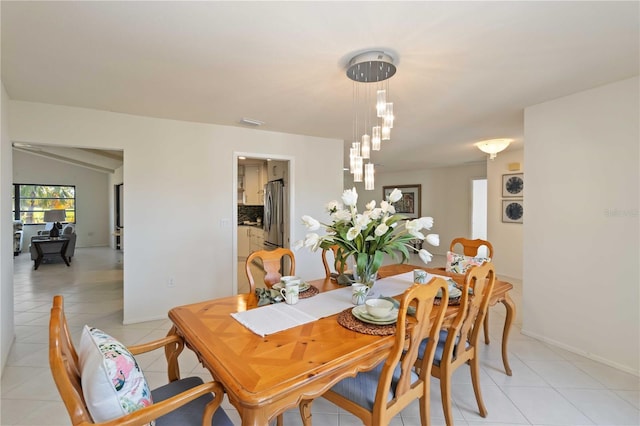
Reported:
(277, 170)
(243, 241)
(253, 185)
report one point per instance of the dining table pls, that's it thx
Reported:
(265, 375)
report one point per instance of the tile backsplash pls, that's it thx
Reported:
(250, 213)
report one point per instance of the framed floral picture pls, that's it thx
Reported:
(409, 204)
(512, 211)
(513, 185)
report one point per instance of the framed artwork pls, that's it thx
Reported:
(513, 185)
(409, 205)
(512, 211)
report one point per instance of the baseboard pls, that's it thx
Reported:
(581, 353)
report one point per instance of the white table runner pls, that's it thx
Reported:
(280, 316)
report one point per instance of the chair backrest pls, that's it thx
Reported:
(339, 267)
(467, 325)
(271, 263)
(471, 247)
(410, 332)
(63, 360)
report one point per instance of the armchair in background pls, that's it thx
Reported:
(68, 232)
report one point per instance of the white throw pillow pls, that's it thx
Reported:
(112, 382)
(458, 263)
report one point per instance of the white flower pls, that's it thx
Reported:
(387, 208)
(413, 227)
(395, 195)
(312, 241)
(333, 206)
(425, 256)
(352, 233)
(433, 239)
(350, 197)
(298, 245)
(427, 222)
(381, 230)
(310, 223)
(362, 220)
(371, 205)
(342, 215)
(375, 214)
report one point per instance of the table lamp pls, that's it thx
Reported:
(55, 216)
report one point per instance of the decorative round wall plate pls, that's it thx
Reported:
(513, 185)
(512, 211)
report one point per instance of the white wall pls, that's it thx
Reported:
(92, 197)
(179, 199)
(581, 251)
(506, 238)
(6, 230)
(446, 196)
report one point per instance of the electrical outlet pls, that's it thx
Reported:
(171, 283)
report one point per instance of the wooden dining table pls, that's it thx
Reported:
(265, 376)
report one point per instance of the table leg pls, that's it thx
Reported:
(253, 418)
(63, 251)
(39, 258)
(511, 310)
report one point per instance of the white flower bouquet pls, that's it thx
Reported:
(367, 236)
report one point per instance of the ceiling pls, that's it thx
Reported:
(466, 70)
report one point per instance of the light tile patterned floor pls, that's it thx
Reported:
(549, 386)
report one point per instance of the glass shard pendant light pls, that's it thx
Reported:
(368, 176)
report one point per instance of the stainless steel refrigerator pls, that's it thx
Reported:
(274, 214)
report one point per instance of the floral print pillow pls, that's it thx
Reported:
(458, 263)
(112, 382)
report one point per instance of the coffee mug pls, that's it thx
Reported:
(290, 279)
(290, 293)
(358, 293)
(419, 276)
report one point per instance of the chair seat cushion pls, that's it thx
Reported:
(361, 389)
(112, 382)
(191, 413)
(439, 349)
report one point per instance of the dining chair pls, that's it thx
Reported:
(451, 352)
(471, 248)
(272, 263)
(339, 267)
(187, 401)
(377, 395)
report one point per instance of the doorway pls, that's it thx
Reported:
(479, 212)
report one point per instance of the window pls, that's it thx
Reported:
(31, 201)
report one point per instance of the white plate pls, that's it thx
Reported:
(453, 293)
(303, 286)
(361, 313)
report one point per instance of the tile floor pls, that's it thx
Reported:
(549, 386)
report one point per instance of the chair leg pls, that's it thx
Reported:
(486, 328)
(445, 394)
(305, 411)
(279, 420)
(425, 410)
(475, 379)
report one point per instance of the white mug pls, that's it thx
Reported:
(358, 293)
(419, 276)
(290, 279)
(290, 293)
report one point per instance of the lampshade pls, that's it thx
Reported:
(55, 215)
(493, 146)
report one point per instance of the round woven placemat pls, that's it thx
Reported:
(311, 291)
(452, 302)
(348, 321)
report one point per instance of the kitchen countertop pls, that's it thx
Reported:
(252, 224)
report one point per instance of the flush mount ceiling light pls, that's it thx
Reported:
(372, 112)
(493, 146)
(251, 121)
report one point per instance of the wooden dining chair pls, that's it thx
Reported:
(471, 248)
(457, 344)
(339, 267)
(272, 261)
(187, 401)
(376, 396)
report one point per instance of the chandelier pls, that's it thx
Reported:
(372, 111)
